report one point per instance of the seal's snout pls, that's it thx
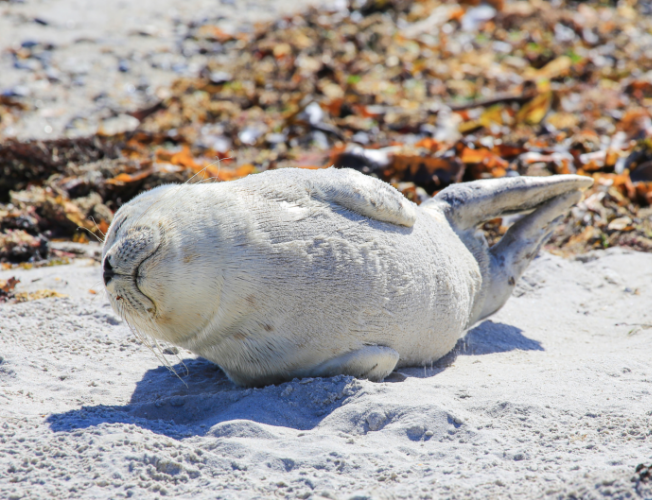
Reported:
(130, 250)
(128, 253)
(108, 272)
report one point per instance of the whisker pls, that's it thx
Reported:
(211, 164)
(151, 343)
(174, 192)
(199, 172)
(219, 165)
(98, 228)
(134, 320)
(155, 203)
(167, 363)
(91, 233)
(99, 285)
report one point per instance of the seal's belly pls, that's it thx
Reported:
(322, 281)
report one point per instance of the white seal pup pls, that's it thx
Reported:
(296, 273)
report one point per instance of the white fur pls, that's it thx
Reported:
(293, 273)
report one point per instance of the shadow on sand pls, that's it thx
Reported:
(203, 401)
(486, 338)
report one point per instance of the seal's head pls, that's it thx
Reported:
(148, 268)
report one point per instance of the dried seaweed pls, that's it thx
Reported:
(419, 93)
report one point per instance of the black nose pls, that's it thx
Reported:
(108, 271)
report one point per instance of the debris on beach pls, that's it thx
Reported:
(419, 93)
(7, 288)
(642, 475)
(38, 295)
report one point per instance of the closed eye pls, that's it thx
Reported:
(112, 235)
(120, 224)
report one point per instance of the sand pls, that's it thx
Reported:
(97, 60)
(548, 398)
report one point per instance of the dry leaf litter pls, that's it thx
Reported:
(419, 93)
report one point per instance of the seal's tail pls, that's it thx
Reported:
(467, 205)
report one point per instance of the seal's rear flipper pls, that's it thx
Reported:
(471, 203)
(513, 253)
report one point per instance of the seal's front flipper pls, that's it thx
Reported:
(372, 362)
(343, 188)
(364, 195)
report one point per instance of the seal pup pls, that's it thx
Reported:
(299, 273)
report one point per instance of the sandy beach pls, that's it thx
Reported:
(549, 398)
(98, 60)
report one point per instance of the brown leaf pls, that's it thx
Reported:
(534, 111)
(429, 143)
(7, 286)
(227, 174)
(122, 179)
(555, 68)
(484, 156)
(209, 32)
